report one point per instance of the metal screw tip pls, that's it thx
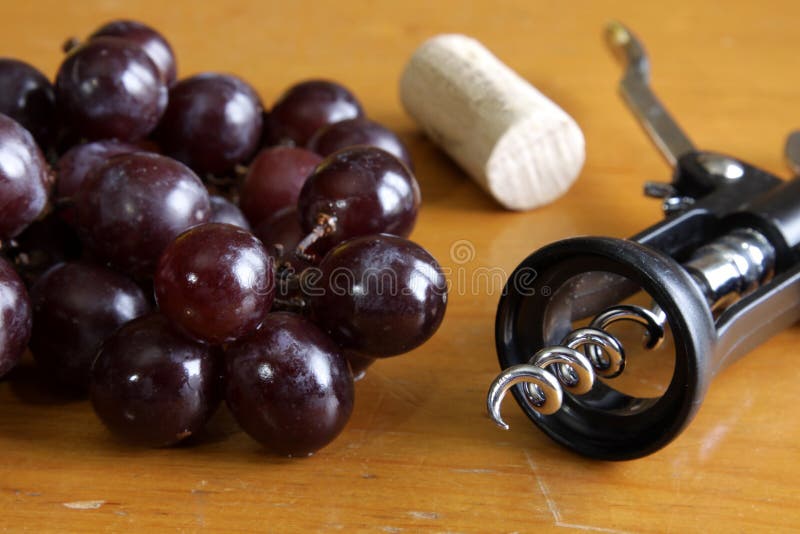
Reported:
(617, 34)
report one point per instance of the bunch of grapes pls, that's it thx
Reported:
(186, 245)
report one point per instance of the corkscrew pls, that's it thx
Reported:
(718, 276)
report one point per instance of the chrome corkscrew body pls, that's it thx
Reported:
(724, 270)
(722, 273)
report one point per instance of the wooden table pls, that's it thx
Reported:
(419, 452)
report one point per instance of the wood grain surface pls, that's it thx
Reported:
(419, 452)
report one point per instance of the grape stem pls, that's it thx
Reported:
(11, 250)
(326, 224)
(63, 203)
(70, 44)
(295, 304)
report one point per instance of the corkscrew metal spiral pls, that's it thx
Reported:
(573, 370)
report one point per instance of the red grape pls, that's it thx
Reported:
(44, 243)
(80, 161)
(76, 306)
(359, 131)
(27, 96)
(215, 282)
(308, 106)
(25, 178)
(135, 205)
(288, 385)
(212, 122)
(225, 211)
(151, 386)
(109, 87)
(153, 43)
(358, 191)
(380, 295)
(15, 317)
(358, 363)
(274, 180)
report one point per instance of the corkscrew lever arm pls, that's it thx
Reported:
(635, 88)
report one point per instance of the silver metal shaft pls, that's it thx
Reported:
(635, 89)
(792, 152)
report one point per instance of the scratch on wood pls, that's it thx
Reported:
(393, 530)
(553, 507)
(424, 515)
(551, 504)
(475, 471)
(84, 505)
(591, 528)
(402, 392)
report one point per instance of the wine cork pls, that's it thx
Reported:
(511, 139)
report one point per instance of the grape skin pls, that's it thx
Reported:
(81, 160)
(109, 88)
(15, 317)
(153, 43)
(213, 122)
(215, 282)
(367, 191)
(308, 106)
(25, 178)
(289, 386)
(381, 295)
(152, 386)
(360, 131)
(132, 207)
(225, 211)
(28, 97)
(76, 306)
(274, 180)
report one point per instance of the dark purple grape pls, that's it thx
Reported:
(274, 180)
(358, 191)
(225, 211)
(280, 234)
(25, 178)
(358, 363)
(152, 42)
(42, 244)
(308, 106)
(359, 131)
(152, 386)
(212, 123)
(380, 295)
(215, 282)
(27, 96)
(76, 306)
(132, 207)
(109, 88)
(289, 386)
(79, 161)
(15, 317)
